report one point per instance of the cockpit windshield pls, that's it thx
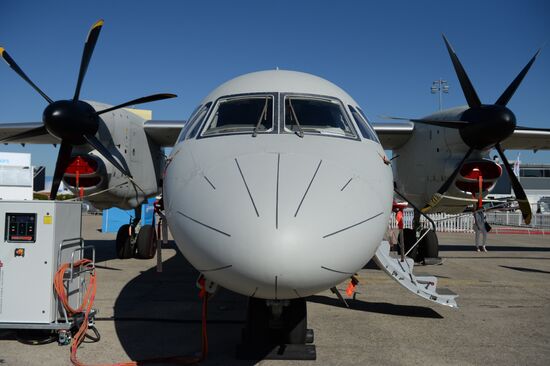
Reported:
(305, 114)
(266, 113)
(248, 114)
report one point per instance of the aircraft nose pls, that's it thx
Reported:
(279, 224)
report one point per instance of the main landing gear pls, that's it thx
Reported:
(421, 244)
(276, 330)
(427, 249)
(136, 240)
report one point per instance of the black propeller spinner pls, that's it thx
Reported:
(487, 126)
(483, 126)
(59, 119)
(74, 122)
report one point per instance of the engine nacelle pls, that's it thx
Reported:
(95, 178)
(91, 176)
(468, 180)
(85, 174)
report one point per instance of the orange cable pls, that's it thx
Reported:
(87, 303)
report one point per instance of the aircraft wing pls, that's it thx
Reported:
(164, 133)
(393, 135)
(525, 138)
(12, 129)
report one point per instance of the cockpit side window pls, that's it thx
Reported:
(187, 126)
(198, 121)
(242, 114)
(362, 122)
(317, 115)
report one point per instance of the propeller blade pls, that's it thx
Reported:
(40, 131)
(11, 63)
(96, 144)
(521, 197)
(523, 128)
(89, 46)
(465, 83)
(150, 98)
(439, 194)
(63, 159)
(511, 89)
(433, 122)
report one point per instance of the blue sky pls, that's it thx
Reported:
(385, 54)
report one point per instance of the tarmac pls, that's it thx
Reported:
(503, 316)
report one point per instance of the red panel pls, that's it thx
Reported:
(82, 164)
(489, 170)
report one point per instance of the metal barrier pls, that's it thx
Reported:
(463, 223)
(539, 221)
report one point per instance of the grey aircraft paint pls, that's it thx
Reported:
(278, 216)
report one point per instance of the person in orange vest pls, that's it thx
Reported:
(396, 238)
(399, 218)
(400, 226)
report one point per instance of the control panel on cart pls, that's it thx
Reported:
(38, 237)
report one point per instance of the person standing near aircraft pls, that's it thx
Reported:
(480, 229)
(400, 226)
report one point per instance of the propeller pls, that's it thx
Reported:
(74, 121)
(483, 126)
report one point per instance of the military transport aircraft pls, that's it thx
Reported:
(442, 160)
(277, 186)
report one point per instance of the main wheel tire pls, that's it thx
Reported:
(146, 242)
(410, 239)
(430, 244)
(124, 248)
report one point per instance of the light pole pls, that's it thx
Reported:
(440, 86)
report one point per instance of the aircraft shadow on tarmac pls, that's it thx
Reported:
(524, 269)
(379, 307)
(159, 315)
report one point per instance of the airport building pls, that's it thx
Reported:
(535, 179)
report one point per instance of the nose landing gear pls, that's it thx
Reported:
(276, 330)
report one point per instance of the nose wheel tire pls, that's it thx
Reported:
(146, 242)
(124, 249)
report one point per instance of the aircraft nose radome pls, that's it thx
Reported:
(303, 223)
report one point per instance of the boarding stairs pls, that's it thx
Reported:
(424, 286)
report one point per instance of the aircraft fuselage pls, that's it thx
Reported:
(272, 214)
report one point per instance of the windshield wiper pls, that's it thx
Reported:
(300, 132)
(262, 116)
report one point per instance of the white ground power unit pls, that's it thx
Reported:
(38, 237)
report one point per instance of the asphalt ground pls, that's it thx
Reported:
(503, 319)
